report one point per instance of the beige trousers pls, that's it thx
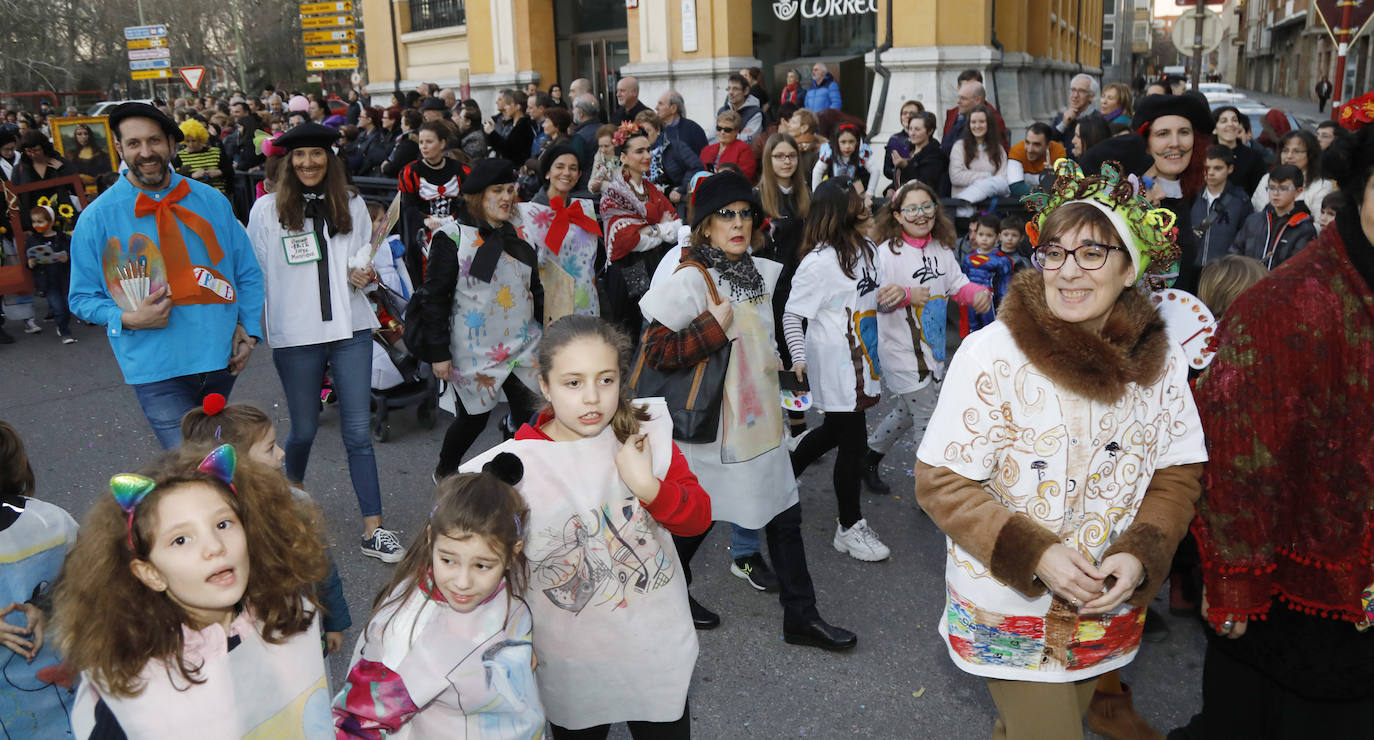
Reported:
(1031, 710)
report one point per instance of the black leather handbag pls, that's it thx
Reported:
(694, 393)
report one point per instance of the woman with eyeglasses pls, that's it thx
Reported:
(786, 202)
(745, 468)
(1062, 462)
(1300, 149)
(728, 148)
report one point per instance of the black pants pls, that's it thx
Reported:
(795, 590)
(847, 431)
(466, 428)
(679, 729)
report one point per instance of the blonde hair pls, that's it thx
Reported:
(731, 118)
(1223, 280)
(193, 130)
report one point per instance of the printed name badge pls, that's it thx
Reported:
(301, 248)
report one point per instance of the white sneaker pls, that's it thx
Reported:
(860, 542)
(67, 339)
(793, 441)
(32, 327)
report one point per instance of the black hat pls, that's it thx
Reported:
(488, 172)
(308, 134)
(433, 104)
(1152, 107)
(143, 110)
(554, 152)
(1128, 150)
(720, 190)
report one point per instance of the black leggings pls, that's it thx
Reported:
(847, 431)
(678, 729)
(466, 428)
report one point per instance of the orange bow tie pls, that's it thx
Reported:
(181, 278)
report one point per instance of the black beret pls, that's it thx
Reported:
(720, 190)
(488, 172)
(433, 104)
(1128, 150)
(143, 110)
(554, 152)
(1152, 107)
(308, 134)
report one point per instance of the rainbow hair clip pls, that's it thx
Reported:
(130, 489)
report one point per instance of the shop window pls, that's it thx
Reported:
(430, 14)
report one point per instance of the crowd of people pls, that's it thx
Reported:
(640, 291)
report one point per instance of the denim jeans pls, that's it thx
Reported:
(164, 402)
(301, 370)
(744, 541)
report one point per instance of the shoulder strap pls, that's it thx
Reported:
(706, 275)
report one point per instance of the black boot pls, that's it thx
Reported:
(872, 481)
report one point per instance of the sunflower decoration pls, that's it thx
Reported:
(45, 201)
(66, 211)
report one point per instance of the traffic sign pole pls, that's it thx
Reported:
(1197, 47)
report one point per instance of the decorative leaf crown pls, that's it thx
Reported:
(1152, 229)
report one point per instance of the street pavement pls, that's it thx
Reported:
(81, 425)
(1303, 109)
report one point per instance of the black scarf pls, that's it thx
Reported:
(320, 214)
(502, 238)
(741, 275)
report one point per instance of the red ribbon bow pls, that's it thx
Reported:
(181, 278)
(564, 215)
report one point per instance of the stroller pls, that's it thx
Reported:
(399, 380)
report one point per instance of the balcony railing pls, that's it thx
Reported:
(426, 15)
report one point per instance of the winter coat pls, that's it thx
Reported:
(1224, 218)
(823, 95)
(1272, 240)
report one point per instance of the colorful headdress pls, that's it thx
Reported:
(130, 489)
(1358, 112)
(628, 130)
(1148, 232)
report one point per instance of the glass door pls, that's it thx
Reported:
(600, 59)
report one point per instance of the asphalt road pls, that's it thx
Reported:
(81, 425)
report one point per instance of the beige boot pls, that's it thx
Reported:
(1114, 716)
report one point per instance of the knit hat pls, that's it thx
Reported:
(298, 104)
(720, 190)
(308, 134)
(488, 172)
(125, 111)
(547, 158)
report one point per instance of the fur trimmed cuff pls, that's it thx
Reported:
(1017, 551)
(1154, 549)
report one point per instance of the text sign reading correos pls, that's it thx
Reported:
(786, 10)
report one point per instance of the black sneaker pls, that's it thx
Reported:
(753, 569)
(702, 618)
(384, 546)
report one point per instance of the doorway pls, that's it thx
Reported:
(599, 58)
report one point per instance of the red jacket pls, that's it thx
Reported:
(682, 505)
(737, 152)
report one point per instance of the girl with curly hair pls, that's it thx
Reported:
(187, 602)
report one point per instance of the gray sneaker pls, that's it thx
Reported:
(384, 546)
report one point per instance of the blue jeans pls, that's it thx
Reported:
(301, 370)
(744, 541)
(164, 402)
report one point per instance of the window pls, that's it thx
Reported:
(1108, 32)
(1108, 56)
(429, 14)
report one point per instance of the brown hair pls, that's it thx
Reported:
(769, 193)
(889, 230)
(573, 327)
(1223, 281)
(833, 222)
(698, 238)
(651, 118)
(291, 201)
(1123, 97)
(604, 130)
(112, 625)
(470, 505)
(238, 424)
(992, 140)
(16, 475)
(804, 118)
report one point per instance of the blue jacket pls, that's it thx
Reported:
(1224, 218)
(688, 132)
(824, 95)
(197, 336)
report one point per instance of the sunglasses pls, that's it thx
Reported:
(727, 214)
(724, 129)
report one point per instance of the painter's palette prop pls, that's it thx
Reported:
(133, 274)
(796, 394)
(1190, 323)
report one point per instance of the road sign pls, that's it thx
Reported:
(1186, 37)
(321, 37)
(317, 8)
(319, 64)
(145, 43)
(326, 21)
(137, 54)
(192, 76)
(152, 74)
(151, 64)
(145, 32)
(331, 50)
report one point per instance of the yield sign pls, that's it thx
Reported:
(192, 76)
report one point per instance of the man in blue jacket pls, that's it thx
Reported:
(190, 336)
(824, 92)
(676, 125)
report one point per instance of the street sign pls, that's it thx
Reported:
(151, 64)
(320, 37)
(145, 43)
(326, 21)
(319, 64)
(145, 32)
(152, 74)
(192, 76)
(317, 8)
(163, 53)
(1185, 34)
(331, 50)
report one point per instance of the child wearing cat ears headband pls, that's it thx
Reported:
(187, 604)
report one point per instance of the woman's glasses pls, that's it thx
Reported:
(727, 214)
(924, 209)
(725, 129)
(780, 157)
(1089, 256)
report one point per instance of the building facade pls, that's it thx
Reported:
(1027, 49)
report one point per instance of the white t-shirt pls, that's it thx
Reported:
(842, 316)
(935, 268)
